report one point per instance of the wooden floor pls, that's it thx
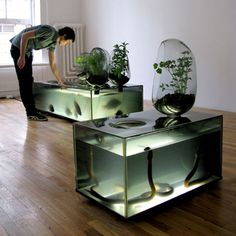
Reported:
(37, 195)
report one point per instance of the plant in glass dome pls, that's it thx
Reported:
(174, 86)
(119, 71)
(94, 67)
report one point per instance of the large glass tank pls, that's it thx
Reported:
(134, 163)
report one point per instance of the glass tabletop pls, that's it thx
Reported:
(144, 122)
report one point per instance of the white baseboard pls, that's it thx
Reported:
(9, 83)
(12, 93)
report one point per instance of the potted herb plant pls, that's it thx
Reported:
(174, 87)
(119, 71)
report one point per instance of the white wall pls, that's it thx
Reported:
(58, 11)
(207, 27)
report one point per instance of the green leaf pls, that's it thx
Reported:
(155, 65)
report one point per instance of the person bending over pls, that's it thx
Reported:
(22, 45)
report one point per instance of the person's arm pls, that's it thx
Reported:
(23, 44)
(54, 68)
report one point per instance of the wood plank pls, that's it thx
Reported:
(38, 197)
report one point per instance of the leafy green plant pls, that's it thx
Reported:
(94, 62)
(97, 61)
(83, 65)
(94, 66)
(179, 70)
(119, 62)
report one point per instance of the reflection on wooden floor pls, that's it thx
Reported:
(37, 188)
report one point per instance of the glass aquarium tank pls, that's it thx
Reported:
(131, 164)
(175, 81)
(83, 102)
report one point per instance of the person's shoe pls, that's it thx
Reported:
(37, 117)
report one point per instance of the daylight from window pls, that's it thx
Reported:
(15, 15)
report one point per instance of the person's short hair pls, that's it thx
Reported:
(67, 32)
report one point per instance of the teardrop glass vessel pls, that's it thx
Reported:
(175, 82)
(119, 68)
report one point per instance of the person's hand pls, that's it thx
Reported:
(61, 84)
(21, 62)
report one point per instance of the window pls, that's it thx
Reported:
(15, 15)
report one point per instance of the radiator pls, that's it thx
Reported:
(65, 56)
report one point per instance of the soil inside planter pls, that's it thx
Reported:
(175, 104)
(118, 81)
(97, 80)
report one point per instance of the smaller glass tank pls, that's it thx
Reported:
(174, 84)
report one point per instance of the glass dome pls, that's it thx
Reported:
(92, 68)
(174, 83)
(98, 67)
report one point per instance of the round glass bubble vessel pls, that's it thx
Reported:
(98, 66)
(175, 82)
(92, 68)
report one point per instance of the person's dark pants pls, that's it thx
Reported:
(25, 79)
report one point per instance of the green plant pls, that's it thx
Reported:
(119, 61)
(82, 59)
(94, 62)
(93, 67)
(179, 70)
(82, 64)
(97, 61)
